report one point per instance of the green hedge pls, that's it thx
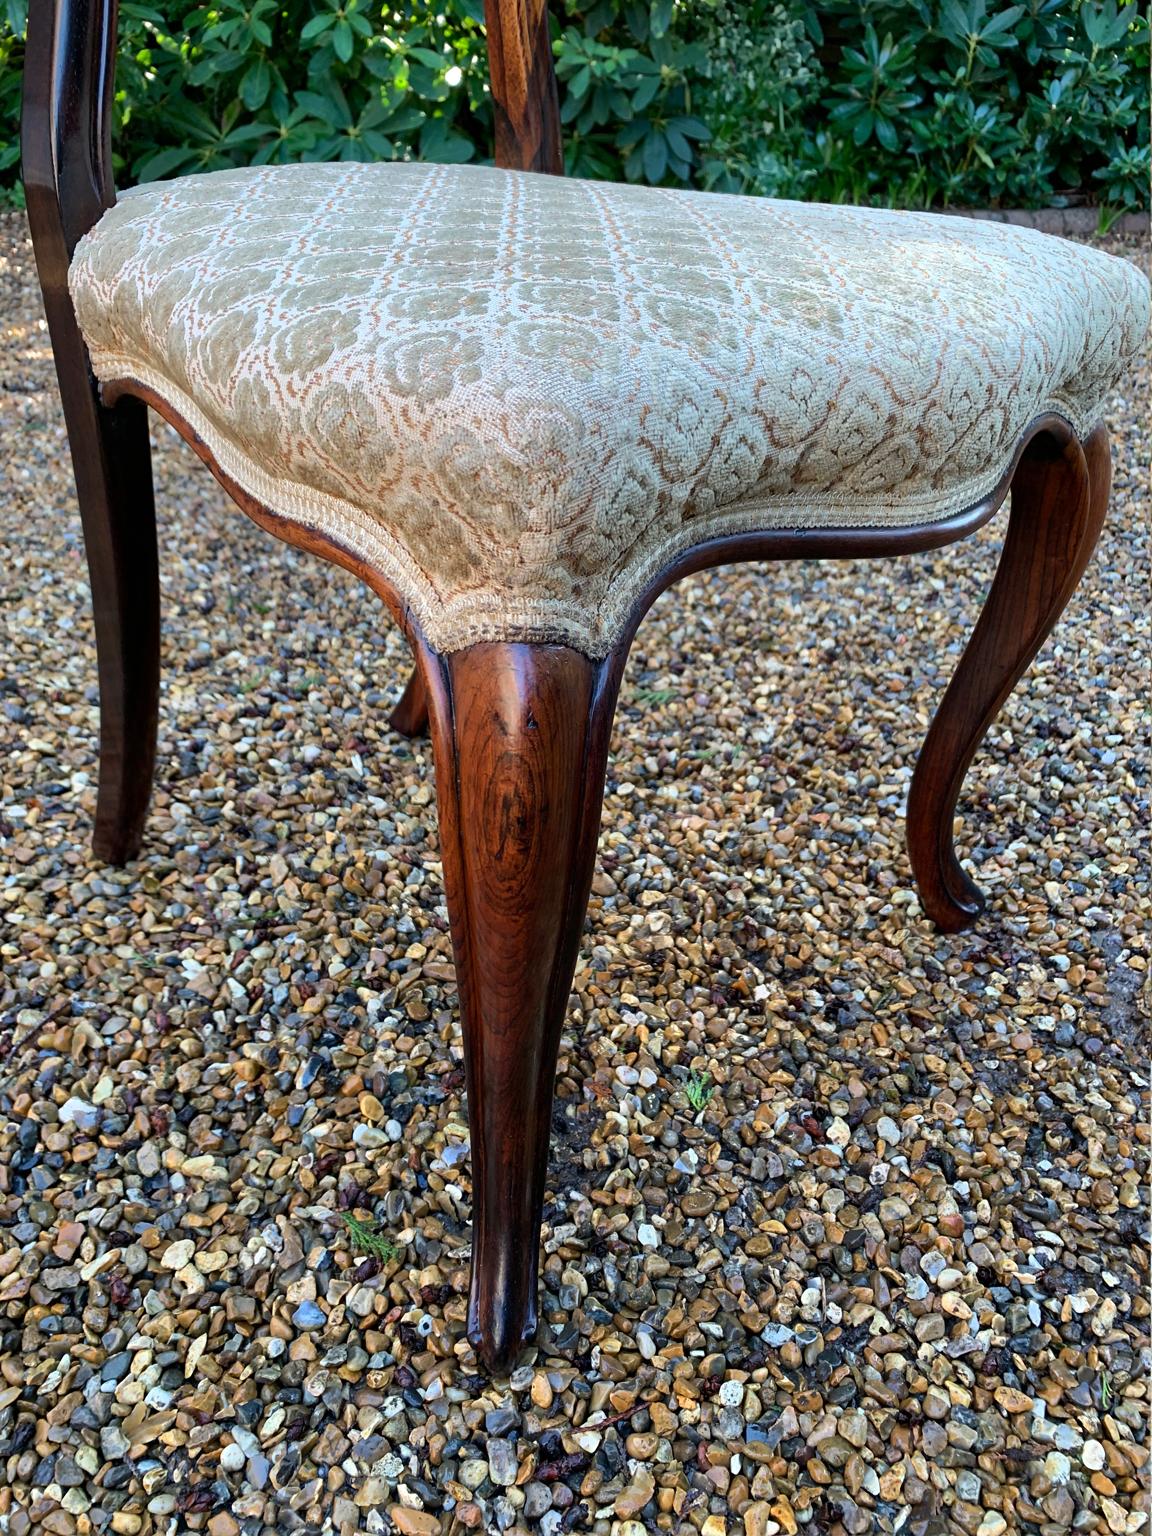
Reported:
(915, 102)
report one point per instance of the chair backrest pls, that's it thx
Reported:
(66, 132)
(523, 86)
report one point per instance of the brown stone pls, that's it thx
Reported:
(638, 1492)
(413, 1522)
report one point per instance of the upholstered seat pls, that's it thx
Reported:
(518, 396)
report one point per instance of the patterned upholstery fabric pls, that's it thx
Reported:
(518, 397)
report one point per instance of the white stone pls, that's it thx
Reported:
(178, 1254)
(80, 1113)
(1093, 1456)
(1057, 1467)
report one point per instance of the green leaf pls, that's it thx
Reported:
(404, 119)
(164, 162)
(331, 108)
(343, 41)
(886, 131)
(255, 85)
(380, 146)
(661, 17)
(435, 61)
(655, 153)
(441, 143)
(1002, 23)
(645, 93)
(691, 127)
(318, 24)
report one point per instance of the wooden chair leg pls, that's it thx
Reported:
(520, 736)
(1059, 497)
(112, 463)
(112, 460)
(410, 717)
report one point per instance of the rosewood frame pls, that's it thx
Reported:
(520, 732)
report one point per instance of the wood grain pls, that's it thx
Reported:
(1059, 497)
(520, 736)
(523, 86)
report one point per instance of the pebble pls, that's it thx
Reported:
(178, 1255)
(309, 1315)
(113, 1445)
(413, 1522)
(638, 1493)
(1057, 1467)
(1093, 1456)
(75, 1111)
(502, 1462)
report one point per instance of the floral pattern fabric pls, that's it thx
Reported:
(518, 397)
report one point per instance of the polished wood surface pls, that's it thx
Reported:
(1059, 497)
(523, 86)
(410, 717)
(67, 170)
(66, 126)
(520, 735)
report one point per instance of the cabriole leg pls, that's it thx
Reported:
(520, 735)
(1059, 497)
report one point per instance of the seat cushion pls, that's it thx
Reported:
(518, 397)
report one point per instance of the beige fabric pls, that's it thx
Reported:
(518, 397)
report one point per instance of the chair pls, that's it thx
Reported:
(520, 407)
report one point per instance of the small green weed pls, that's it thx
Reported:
(368, 1240)
(699, 1089)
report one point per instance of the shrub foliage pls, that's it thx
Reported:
(919, 102)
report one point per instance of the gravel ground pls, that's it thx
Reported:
(846, 1218)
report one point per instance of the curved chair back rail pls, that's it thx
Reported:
(520, 731)
(66, 127)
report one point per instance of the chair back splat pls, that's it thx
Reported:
(66, 129)
(523, 86)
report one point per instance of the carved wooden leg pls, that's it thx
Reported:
(1059, 496)
(410, 717)
(520, 734)
(112, 460)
